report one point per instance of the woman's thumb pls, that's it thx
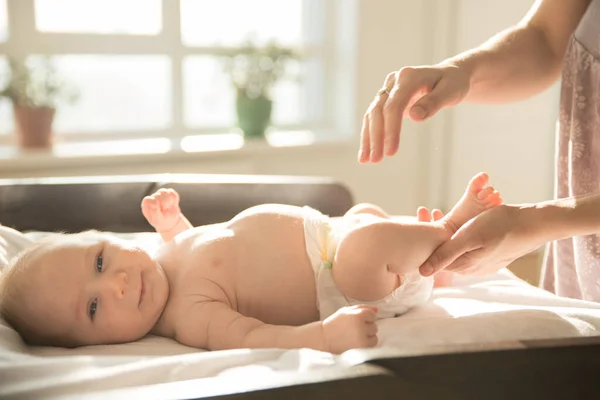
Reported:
(427, 106)
(445, 255)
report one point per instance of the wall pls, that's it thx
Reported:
(513, 143)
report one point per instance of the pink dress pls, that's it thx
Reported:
(572, 266)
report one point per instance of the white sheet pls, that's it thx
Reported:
(495, 308)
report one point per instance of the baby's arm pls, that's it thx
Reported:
(215, 326)
(162, 211)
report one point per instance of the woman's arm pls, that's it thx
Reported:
(563, 218)
(525, 59)
(495, 238)
(513, 65)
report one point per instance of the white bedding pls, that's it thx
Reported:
(495, 308)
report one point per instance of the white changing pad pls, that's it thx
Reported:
(495, 308)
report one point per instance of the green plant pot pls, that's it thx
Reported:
(253, 114)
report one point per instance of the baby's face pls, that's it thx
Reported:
(97, 290)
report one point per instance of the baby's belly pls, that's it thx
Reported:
(280, 298)
(275, 282)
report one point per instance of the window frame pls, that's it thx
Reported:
(25, 39)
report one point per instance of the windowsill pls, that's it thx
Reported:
(151, 150)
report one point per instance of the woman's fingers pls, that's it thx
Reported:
(423, 214)
(418, 92)
(376, 127)
(386, 112)
(437, 214)
(428, 105)
(407, 85)
(448, 253)
(364, 153)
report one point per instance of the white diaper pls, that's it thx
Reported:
(322, 236)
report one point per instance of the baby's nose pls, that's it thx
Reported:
(120, 282)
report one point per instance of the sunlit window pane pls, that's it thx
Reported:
(230, 22)
(286, 99)
(3, 21)
(298, 98)
(116, 93)
(207, 92)
(6, 115)
(209, 98)
(131, 17)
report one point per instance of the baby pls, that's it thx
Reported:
(274, 276)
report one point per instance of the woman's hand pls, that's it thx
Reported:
(418, 92)
(487, 243)
(442, 278)
(423, 215)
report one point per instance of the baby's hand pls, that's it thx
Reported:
(350, 328)
(161, 209)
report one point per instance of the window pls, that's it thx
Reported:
(3, 21)
(128, 17)
(133, 92)
(223, 23)
(6, 124)
(151, 68)
(6, 121)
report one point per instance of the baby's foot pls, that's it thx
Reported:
(477, 198)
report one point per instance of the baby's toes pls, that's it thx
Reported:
(493, 199)
(485, 193)
(478, 182)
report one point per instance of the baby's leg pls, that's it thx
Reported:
(372, 258)
(367, 208)
(372, 209)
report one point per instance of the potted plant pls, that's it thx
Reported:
(254, 70)
(35, 88)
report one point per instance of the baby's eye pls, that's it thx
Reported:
(99, 262)
(93, 308)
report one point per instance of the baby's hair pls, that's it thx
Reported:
(14, 293)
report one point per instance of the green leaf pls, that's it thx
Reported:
(36, 83)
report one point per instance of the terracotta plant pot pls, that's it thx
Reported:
(253, 114)
(33, 126)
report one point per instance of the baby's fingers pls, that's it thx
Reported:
(368, 313)
(372, 341)
(371, 329)
(437, 215)
(148, 203)
(168, 198)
